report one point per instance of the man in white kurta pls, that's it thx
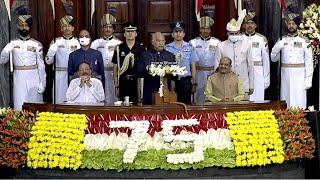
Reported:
(205, 47)
(85, 89)
(296, 64)
(29, 76)
(260, 56)
(61, 47)
(106, 46)
(239, 51)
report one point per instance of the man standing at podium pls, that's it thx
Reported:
(206, 47)
(61, 48)
(125, 60)
(106, 45)
(185, 56)
(156, 55)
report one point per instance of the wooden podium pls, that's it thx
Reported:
(168, 96)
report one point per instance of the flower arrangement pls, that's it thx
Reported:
(164, 141)
(57, 141)
(15, 130)
(298, 141)
(166, 69)
(256, 138)
(310, 28)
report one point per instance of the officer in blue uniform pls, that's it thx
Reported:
(125, 60)
(156, 55)
(86, 54)
(185, 56)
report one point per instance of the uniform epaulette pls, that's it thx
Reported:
(305, 38)
(198, 37)
(39, 43)
(264, 37)
(214, 38)
(58, 38)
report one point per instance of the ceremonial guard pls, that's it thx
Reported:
(29, 76)
(156, 55)
(260, 56)
(239, 51)
(106, 45)
(125, 60)
(61, 47)
(205, 46)
(185, 56)
(296, 64)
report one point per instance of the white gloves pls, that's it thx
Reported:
(41, 88)
(54, 47)
(307, 84)
(8, 48)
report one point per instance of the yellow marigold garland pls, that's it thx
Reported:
(256, 137)
(57, 141)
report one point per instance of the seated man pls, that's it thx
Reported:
(85, 89)
(224, 86)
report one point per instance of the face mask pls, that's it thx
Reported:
(84, 41)
(233, 38)
(24, 32)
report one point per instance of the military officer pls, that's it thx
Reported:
(29, 76)
(185, 56)
(239, 51)
(61, 47)
(296, 64)
(260, 56)
(106, 45)
(205, 47)
(125, 60)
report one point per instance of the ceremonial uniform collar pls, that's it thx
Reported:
(107, 38)
(247, 34)
(25, 38)
(293, 35)
(205, 39)
(67, 38)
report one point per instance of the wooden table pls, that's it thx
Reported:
(155, 109)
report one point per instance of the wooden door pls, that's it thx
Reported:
(150, 16)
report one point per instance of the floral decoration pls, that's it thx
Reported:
(298, 141)
(166, 142)
(14, 136)
(57, 141)
(256, 138)
(310, 28)
(165, 69)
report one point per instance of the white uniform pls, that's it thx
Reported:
(86, 94)
(261, 62)
(206, 51)
(61, 48)
(107, 47)
(242, 64)
(296, 69)
(29, 77)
